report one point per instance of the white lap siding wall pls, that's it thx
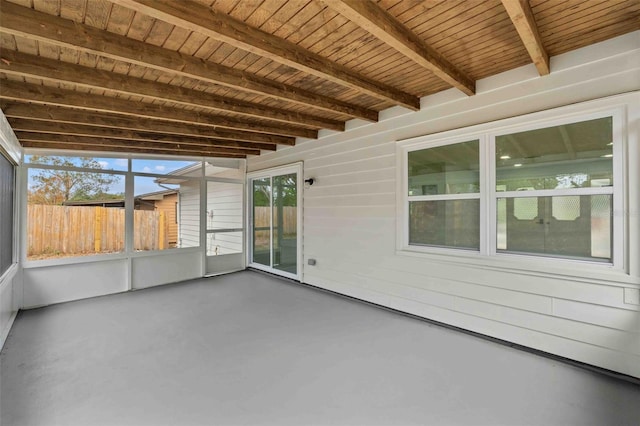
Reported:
(189, 214)
(351, 215)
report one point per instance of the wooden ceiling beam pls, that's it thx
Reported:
(26, 92)
(121, 150)
(522, 17)
(24, 65)
(35, 25)
(35, 126)
(376, 21)
(90, 142)
(220, 26)
(72, 116)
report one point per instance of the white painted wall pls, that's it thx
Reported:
(189, 214)
(169, 266)
(60, 283)
(350, 216)
(11, 280)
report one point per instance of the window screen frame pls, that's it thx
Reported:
(486, 133)
(13, 219)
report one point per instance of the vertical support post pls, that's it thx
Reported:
(128, 222)
(280, 220)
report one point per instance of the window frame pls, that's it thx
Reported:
(14, 215)
(486, 133)
(616, 190)
(446, 197)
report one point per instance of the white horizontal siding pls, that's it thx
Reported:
(375, 199)
(189, 219)
(350, 221)
(350, 189)
(359, 177)
(594, 314)
(373, 163)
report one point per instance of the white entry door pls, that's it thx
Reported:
(275, 221)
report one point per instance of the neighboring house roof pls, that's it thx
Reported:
(147, 198)
(157, 195)
(116, 202)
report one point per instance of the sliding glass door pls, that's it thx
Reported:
(275, 221)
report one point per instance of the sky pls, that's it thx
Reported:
(142, 185)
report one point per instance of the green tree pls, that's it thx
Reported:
(55, 186)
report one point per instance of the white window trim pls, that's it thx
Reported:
(488, 257)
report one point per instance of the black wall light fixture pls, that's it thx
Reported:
(309, 181)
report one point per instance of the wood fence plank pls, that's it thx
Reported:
(62, 231)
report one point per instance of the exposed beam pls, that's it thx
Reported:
(21, 64)
(522, 17)
(64, 140)
(18, 91)
(26, 125)
(122, 149)
(26, 22)
(73, 116)
(373, 19)
(204, 20)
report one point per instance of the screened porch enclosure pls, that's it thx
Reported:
(282, 200)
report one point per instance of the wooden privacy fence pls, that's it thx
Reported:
(289, 218)
(65, 230)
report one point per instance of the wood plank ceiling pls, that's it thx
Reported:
(231, 78)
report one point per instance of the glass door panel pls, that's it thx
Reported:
(261, 226)
(285, 223)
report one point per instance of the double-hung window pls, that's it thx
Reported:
(554, 190)
(548, 188)
(444, 195)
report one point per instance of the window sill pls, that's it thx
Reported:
(573, 270)
(43, 263)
